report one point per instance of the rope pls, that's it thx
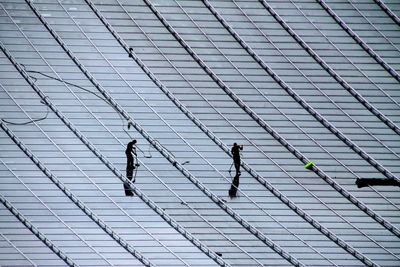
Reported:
(29, 121)
(33, 229)
(74, 85)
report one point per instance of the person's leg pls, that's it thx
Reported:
(127, 189)
(237, 166)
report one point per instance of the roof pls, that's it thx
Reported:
(292, 81)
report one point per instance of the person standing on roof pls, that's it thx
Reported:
(130, 153)
(236, 157)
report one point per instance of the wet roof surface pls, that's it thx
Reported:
(291, 81)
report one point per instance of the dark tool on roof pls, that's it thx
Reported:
(364, 182)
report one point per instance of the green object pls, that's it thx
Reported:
(309, 165)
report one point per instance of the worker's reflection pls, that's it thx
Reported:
(130, 153)
(236, 161)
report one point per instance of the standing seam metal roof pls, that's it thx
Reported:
(292, 81)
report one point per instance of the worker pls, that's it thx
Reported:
(130, 153)
(236, 156)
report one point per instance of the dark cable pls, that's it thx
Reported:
(69, 83)
(31, 120)
(79, 87)
(144, 154)
(91, 92)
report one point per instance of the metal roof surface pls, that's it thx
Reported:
(293, 81)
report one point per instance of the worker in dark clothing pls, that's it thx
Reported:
(130, 153)
(236, 156)
(236, 161)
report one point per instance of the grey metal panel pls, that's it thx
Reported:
(348, 47)
(373, 26)
(19, 247)
(207, 173)
(159, 195)
(394, 6)
(88, 193)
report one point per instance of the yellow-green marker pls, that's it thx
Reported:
(309, 165)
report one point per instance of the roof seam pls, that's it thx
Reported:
(25, 221)
(348, 59)
(176, 70)
(33, 229)
(57, 216)
(17, 249)
(333, 74)
(128, 133)
(361, 42)
(182, 201)
(313, 112)
(372, 25)
(389, 12)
